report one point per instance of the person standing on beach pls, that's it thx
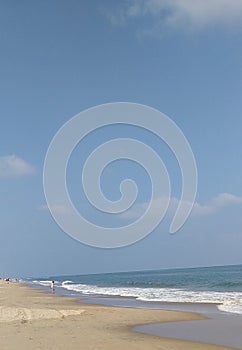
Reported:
(52, 286)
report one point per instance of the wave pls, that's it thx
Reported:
(226, 301)
(42, 283)
(67, 282)
(47, 283)
(218, 285)
(235, 309)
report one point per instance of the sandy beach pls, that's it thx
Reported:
(34, 319)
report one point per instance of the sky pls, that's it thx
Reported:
(59, 58)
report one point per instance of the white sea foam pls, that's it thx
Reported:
(43, 283)
(229, 301)
(236, 309)
(66, 282)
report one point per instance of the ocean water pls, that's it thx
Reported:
(221, 285)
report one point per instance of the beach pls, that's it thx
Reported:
(35, 319)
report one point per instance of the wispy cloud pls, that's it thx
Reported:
(199, 210)
(161, 15)
(225, 199)
(13, 166)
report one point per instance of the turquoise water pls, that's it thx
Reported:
(221, 285)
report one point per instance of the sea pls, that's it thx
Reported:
(219, 285)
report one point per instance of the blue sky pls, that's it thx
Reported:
(59, 58)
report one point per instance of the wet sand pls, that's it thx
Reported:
(224, 330)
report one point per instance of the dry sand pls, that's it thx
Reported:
(32, 319)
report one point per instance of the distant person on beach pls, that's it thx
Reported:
(52, 286)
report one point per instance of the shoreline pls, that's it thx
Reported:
(42, 320)
(220, 327)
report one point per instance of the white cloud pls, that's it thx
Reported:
(176, 14)
(199, 210)
(13, 166)
(225, 199)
